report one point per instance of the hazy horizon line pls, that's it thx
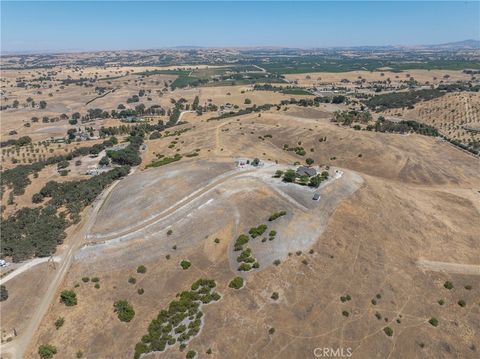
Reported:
(186, 47)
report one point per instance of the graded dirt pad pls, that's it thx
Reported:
(418, 200)
(147, 193)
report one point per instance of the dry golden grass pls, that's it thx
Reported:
(370, 247)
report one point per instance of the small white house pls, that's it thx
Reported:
(242, 162)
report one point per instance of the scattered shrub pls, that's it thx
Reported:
(236, 283)
(47, 351)
(68, 297)
(140, 291)
(257, 231)
(275, 296)
(462, 303)
(185, 264)
(388, 331)
(433, 321)
(85, 279)
(448, 285)
(124, 310)
(345, 313)
(141, 269)
(59, 323)
(276, 215)
(191, 354)
(3, 293)
(240, 241)
(132, 280)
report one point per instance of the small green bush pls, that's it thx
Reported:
(441, 302)
(47, 351)
(388, 331)
(124, 310)
(85, 279)
(462, 303)
(345, 313)
(68, 297)
(140, 291)
(132, 280)
(448, 285)
(141, 269)
(191, 354)
(276, 215)
(185, 264)
(433, 322)
(236, 283)
(95, 279)
(257, 231)
(59, 323)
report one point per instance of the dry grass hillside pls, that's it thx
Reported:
(348, 273)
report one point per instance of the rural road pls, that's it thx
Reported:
(448, 267)
(182, 113)
(26, 266)
(19, 345)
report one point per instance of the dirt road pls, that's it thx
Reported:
(26, 266)
(448, 267)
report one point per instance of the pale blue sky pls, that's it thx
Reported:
(69, 25)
